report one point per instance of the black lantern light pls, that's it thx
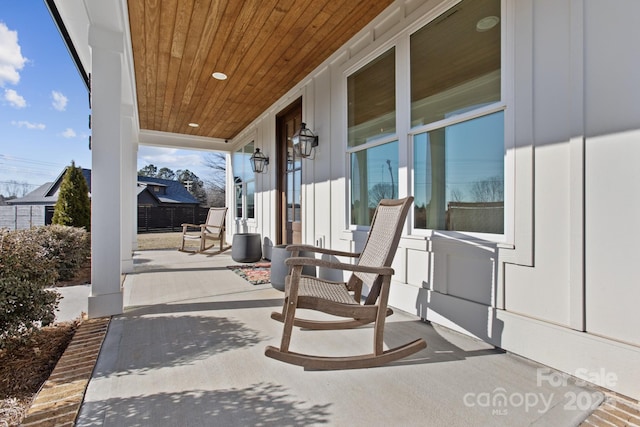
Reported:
(303, 141)
(258, 161)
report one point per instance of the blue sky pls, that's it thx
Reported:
(44, 104)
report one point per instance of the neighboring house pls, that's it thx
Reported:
(36, 207)
(39, 204)
(153, 192)
(514, 124)
(47, 193)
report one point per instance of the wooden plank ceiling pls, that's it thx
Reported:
(264, 46)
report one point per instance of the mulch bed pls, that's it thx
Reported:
(82, 277)
(25, 367)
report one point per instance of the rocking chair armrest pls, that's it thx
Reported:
(295, 261)
(190, 225)
(310, 248)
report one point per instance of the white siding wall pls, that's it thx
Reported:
(569, 260)
(535, 291)
(612, 108)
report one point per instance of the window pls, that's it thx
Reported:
(455, 67)
(159, 189)
(459, 176)
(244, 182)
(372, 100)
(374, 176)
(371, 143)
(458, 136)
(294, 184)
(455, 117)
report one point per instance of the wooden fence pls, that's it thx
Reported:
(22, 217)
(157, 218)
(150, 219)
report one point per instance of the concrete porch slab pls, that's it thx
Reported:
(189, 351)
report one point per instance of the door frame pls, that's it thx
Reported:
(295, 108)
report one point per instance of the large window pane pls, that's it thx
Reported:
(244, 182)
(294, 195)
(372, 100)
(241, 164)
(455, 62)
(374, 176)
(459, 176)
(238, 199)
(251, 199)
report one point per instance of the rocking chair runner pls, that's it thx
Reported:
(211, 230)
(343, 299)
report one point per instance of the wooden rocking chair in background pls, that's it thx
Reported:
(212, 230)
(344, 299)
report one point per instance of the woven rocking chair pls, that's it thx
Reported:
(344, 299)
(211, 231)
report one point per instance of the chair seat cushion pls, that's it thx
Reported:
(191, 236)
(318, 288)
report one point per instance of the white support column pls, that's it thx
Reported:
(134, 196)
(127, 189)
(106, 172)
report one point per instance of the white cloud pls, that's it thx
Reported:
(59, 100)
(12, 97)
(11, 59)
(69, 133)
(172, 158)
(29, 125)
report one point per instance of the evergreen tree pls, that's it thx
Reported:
(166, 173)
(149, 170)
(193, 184)
(73, 206)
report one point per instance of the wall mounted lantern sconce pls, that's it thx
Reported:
(303, 141)
(258, 161)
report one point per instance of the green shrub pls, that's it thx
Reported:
(24, 257)
(24, 306)
(68, 246)
(44, 254)
(30, 261)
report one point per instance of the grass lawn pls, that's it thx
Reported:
(148, 241)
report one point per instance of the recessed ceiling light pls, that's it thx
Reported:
(194, 125)
(220, 76)
(487, 23)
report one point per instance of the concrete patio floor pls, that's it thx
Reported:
(189, 351)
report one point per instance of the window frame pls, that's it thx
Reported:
(376, 141)
(387, 139)
(441, 124)
(405, 133)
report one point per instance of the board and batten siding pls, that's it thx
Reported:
(562, 287)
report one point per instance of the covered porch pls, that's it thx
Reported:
(188, 350)
(552, 280)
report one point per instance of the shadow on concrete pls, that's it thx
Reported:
(159, 269)
(440, 347)
(169, 341)
(262, 404)
(203, 306)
